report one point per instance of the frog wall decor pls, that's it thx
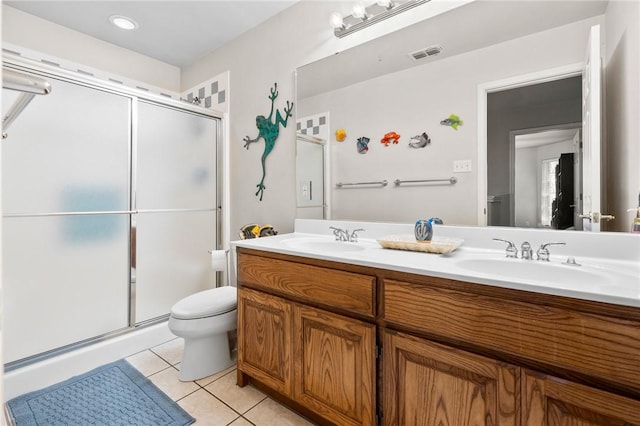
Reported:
(269, 131)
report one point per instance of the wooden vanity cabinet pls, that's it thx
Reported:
(538, 338)
(426, 383)
(453, 353)
(322, 360)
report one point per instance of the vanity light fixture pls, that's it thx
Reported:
(123, 22)
(361, 16)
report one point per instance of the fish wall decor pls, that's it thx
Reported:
(453, 121)
(363, 145)
(420, 141)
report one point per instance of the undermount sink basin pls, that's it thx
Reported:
(323, 245)
(533, 270)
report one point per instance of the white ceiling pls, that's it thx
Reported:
(175, 32)
(536, 139)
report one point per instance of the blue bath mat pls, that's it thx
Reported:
(114, 394)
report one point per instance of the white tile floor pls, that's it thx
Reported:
(214, 400)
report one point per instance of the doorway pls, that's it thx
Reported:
(546, 172)
(545, 100)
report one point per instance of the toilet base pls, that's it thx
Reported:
(204, 357)
(206, 344)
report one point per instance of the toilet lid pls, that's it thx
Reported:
(206, 303)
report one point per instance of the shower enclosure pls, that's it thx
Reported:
(110, 205)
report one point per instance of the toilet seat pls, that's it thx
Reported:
(206, 303)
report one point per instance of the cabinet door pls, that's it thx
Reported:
(549, 401)
(428, 384)
(264, 339)
(334, 359)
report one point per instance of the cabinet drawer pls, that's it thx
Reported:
(318, 285)
(607, 348)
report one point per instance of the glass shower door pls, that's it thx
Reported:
(175, 179)
(65, 189)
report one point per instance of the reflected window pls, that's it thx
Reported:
(548, 190)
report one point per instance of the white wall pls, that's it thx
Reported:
(412, 101)
(31, 32)
(622, 93)
(526, 188)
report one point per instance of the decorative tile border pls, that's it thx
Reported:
(314, 125)
(85, 70)
(211, 94)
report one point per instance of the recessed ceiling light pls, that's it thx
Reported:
(123, 22)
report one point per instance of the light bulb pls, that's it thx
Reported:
(359, 11)
(385, 3)
(336, 20)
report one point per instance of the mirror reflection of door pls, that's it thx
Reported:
(546, 178)
(549, 105)
(310, 153)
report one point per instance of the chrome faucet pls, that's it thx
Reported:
(344, 235)
(512, 251)
(543, 252)
(354, 235)
(340, 234)
(527, 251)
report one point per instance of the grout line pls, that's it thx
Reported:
(247, 420)
(224, 403)
(256, 404)
(164, 359)
(201, 387)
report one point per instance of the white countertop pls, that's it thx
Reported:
(609, 278)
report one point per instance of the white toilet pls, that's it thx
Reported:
(204, 320)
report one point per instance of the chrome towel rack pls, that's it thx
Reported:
(452, 180)
(29, 85)
(379, 183)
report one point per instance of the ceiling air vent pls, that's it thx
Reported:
(426, 52)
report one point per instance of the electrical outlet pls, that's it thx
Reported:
(461, 166)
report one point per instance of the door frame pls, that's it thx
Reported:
(542, 76)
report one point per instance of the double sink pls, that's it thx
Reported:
(588, 275)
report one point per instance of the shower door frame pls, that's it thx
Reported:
(134, 95)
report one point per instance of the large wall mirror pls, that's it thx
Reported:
(386, 85)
